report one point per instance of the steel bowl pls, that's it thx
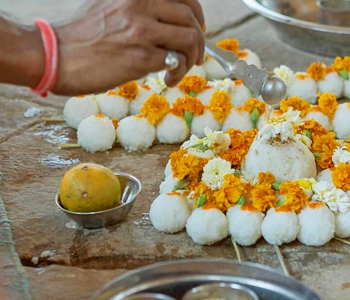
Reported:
(175, 278)
(308, 24)
(130, 188)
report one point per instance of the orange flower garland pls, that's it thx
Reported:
(323, 148)
(328, 104)
(317, 71)
(220, 105)
(297, 104)
(190, 104)
(155, 108)
(341, 176)
(192, 83)
(295, 197)
(129, 90)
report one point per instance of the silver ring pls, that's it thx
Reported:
(171, 61)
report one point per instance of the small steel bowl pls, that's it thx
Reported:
(130, 188)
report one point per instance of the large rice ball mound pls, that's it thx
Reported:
(280, 227)
(79, 108)
(207, 226)
(136, 133)
(244, 225)
(317, 225)
(169, 212)
(96, 133)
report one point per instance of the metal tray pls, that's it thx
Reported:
(307, 25)
(175, 278)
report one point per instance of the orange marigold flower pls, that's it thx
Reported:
(338, 64)
(201, 189)
(296, 198)
(229, 45)
(220, 105)
(346, 63)
(317, 71)
(297, 104)
(129, 90)
(187, 167)
(266, 177)
(323, 146)
(192, 83)
(252, 103)
(239, 147)
(229, 193)
(190, 104)
(155, 108)
(263, 197)
(328, 103)
(315, 128)
(341, 176)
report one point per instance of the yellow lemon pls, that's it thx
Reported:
(89, 187)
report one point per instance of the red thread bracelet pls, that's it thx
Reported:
(51, 58)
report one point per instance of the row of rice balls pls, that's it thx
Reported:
(318, 77)
(315, 225)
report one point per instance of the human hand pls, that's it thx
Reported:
(112, 42)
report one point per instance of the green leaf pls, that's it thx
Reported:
(281, 201)
(180, 185)
(254, 116)
(192, 94)
(241, 200)
(201, 200)
(188, 118)
(317, 155)
(276, 185)
(307, 133)
(344, 74)
(237, 173)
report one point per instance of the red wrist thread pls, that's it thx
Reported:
(51, 58)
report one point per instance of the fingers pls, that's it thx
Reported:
(175, 12)
(197, 11)
(173, 77)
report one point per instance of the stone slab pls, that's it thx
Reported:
(59, 282)
(258, 35)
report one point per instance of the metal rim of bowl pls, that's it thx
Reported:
(270, 14)
(58, 201)
(141, 270)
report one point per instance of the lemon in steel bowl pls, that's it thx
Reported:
(90, 187)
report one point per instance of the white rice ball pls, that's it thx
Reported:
(240, 93)
(341, 124)
(332, 83)
(325, 175)
(317, 225)
(136, 133)
(347, 87)
(78, 108)
(342, 225)
(197, 70)
(205, 95)
(168, 184)
(205, 120)
(287, 161)
(238, 119)
(207, 226)
(303, 86)
(169, 212)
(244, 225)
(172, 129)
(280, 227)
(144, 93)
(321, 118)
(171, 94)
(213, 69)
(168, 171)
(96, 133)
(112, 105)
(250, 57)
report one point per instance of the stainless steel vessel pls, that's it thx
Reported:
(309, 25)
(175, 278)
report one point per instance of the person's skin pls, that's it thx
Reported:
(108, 44)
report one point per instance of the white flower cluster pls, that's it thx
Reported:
(285, 73)
(223, 85)
(157, 85)
(340, 155)
(214, 172)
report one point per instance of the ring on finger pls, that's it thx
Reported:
(171, 61)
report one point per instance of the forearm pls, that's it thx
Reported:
(22, 57)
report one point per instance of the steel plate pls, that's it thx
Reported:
(306, 25)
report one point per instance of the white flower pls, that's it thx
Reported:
(336, 199)
(285, 73)
(157, 85)
(194, 146)
(340, 155)
(306, 184)
(217, 141)
(281, 126)
(223, 85)
(214, 172)
(304, 139)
